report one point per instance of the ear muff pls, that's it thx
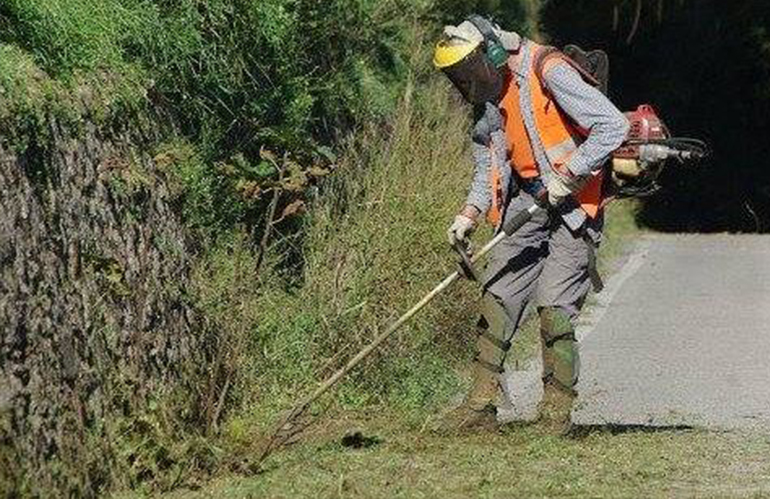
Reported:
(493, 47)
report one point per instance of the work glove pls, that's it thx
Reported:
(562, 185)
(461, 229)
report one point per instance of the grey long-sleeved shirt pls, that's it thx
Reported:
(590, 109)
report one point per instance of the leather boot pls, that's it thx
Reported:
(556, 408)
(478, 411)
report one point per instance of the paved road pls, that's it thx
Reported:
(680, 337)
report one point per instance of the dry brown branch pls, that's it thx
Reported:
(269, 219)
(220, 404)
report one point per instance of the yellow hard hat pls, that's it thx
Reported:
(453, 50)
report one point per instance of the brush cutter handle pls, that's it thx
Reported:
(517, 222)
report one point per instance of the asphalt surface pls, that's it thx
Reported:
(680, 337)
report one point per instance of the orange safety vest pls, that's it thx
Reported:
(559, 135)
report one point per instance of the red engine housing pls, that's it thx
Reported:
(646, 126)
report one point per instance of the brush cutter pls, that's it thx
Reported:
(635, 169)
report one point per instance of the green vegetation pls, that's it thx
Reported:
(518, 462)
(231, 77)
(373, 244)
(316, 161)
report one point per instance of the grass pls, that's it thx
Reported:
(518, 462)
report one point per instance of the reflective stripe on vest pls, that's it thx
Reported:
(495, 213)
(559, 136)
(559, 152)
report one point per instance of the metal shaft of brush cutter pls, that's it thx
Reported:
(273, 441)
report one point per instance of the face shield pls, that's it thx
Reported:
(476, 78)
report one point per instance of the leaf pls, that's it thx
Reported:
(317, 171)
(263, 169)
(248, 189)
(267, 155)
(294, 208)
(295, 180)
(326, 153)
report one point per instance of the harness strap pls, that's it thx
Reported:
(593, 271)
(549, 54)
(500, 344)
(566, 336)
(489, 366)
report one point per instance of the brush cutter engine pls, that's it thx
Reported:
(637, 165)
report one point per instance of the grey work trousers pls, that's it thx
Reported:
(544, 261)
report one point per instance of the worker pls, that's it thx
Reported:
(543, 132)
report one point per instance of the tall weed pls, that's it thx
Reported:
(374, 244)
